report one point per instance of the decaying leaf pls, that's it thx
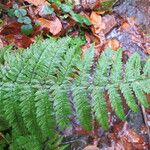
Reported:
(37, 2)
(126, 138)
(110, 22)
(11, 34)
(97, 23)
(113, 44)
(91, 147)
(19, 40)
(92, 4)
(54, 26)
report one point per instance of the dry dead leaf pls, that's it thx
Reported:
(19, 40)
(92, 4)
(54, 26)
(91, 147)
(110, 21)
(37, 2)
(126, 138)
(96, 20)
(113, 44)
(91, 38)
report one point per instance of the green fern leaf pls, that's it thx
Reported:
(116, 102)
(81, 102)
(140, 94)
(128, 95)
(100, 107)
(34, 87)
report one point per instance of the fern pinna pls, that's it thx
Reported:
(35, 84)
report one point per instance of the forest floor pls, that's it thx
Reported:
(125, 23)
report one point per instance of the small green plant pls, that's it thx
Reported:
(67, 8)
(107, 4)
(22, 17)
(34, 87)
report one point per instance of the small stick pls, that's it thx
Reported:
(146, 121)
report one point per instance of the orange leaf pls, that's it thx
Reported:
(54, 26)
(96, 20)
(113, 44)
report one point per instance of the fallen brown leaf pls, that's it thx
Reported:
(92, 4)
(110, 22)
(126, 138)
(113, 44)
(20, 41)
(37, 2)
(12, 27)
(91, 38)
(91, 147)
(54, 25)
(96, 20)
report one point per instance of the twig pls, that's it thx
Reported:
(4, 137)
(146, 121)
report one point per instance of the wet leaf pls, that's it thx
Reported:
(20, 41)
(27, 29)
(126, 138)
(54, 26)
(11, 28)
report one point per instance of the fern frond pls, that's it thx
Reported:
(129, 97)
(25, 142)
(116, 71)
(101, 76)
(34, 87)
(81, 101)
(146, 68)
(140, 94)
(145, 85)
(100, 107)
(11, 110)
(62, 107)
(116, 102)
(133, 68)
(44, 113)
